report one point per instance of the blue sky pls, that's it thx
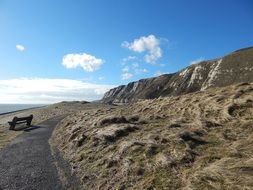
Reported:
(79, 49)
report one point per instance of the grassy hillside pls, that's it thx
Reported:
(201, 140)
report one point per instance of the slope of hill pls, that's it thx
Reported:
(200, 140)
(231, 69)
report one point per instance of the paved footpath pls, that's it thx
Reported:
(27, 162)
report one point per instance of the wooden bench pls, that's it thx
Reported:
(19, 120)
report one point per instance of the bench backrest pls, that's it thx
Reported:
(15, 119)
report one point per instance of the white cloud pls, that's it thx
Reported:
(20, 47)
(135, 65)
(197, 61)
(149, 44)
(139, 71)
(88, 62)
(125, 60)
(129, 58)
(131, 70)
(46, 91)
(126, 76)
(158, 73)
(125, 69)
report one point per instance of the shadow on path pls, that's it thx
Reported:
(26, 128)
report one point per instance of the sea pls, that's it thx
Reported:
(5, 108)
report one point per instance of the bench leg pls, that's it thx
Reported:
(12, 126)
(29, 122)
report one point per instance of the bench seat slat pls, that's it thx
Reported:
(22, 118)
(21, 122)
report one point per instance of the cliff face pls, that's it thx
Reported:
(234, 68)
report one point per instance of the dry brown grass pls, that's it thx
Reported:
(6, 135)
(202, 140)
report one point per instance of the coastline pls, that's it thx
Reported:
(40, 113)
(26, 109)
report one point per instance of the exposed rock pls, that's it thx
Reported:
(214, 73)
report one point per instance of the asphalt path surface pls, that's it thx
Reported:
(27, 162)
